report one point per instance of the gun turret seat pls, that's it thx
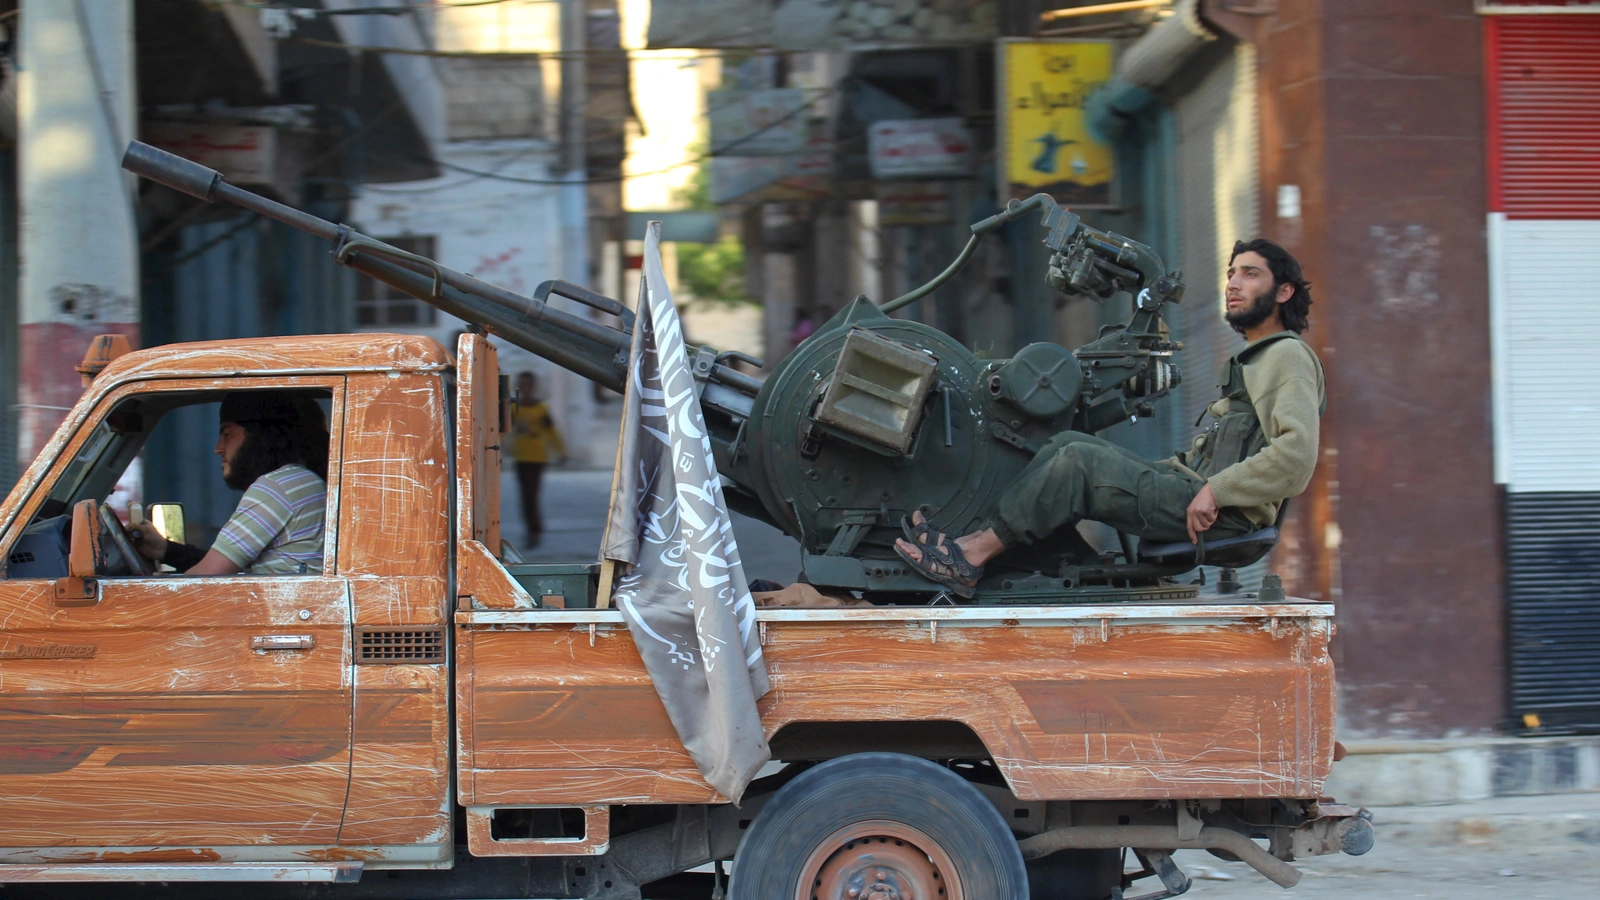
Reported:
(1234, 552)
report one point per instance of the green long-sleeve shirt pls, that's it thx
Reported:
(1288, 391)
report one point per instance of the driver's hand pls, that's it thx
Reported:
(149, 542)
(1202, 513)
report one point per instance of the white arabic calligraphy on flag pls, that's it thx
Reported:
(685, 597)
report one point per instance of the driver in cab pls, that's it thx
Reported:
(274, 447)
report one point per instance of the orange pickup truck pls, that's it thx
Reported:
(426, 719)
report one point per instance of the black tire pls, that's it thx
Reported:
(841, 795)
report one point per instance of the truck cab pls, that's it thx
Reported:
(240, 718)
(423, 704)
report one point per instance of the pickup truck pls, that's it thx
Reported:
(428, 719)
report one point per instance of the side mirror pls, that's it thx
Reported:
(168, 521)
(84, 554)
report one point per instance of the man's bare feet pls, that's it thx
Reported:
(978, 547)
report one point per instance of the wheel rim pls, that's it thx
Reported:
(879, 860)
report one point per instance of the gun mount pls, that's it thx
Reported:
(870, 417)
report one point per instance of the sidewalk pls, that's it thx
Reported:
(1530, 848)
(1463, 770)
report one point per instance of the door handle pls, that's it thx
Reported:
(264, 642)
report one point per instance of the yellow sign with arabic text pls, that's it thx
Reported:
(1044, 140)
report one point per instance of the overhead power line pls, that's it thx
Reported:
(608, 179)
(622, 53)
(405, 9)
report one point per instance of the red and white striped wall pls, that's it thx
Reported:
(1542, 67)
(1543, 92)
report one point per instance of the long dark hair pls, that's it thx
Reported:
(279, 430)
(1285, 269)
(271, 445)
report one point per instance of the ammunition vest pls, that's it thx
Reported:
(1235, 435)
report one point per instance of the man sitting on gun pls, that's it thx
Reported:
(274, 447)
(1258, 451)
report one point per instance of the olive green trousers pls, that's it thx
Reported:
(1078, 476)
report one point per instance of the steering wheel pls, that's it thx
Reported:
(133, 560)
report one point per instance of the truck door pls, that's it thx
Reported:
(169, 711)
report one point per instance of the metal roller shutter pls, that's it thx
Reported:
(1544, 108)
(1218, 190)
(1553, 583)
(1543, 92)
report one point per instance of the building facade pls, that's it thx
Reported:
(1432, 165)
(299, 105)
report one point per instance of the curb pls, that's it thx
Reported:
(1392, 773)
(1528, 823)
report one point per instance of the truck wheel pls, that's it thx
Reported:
(878, 826)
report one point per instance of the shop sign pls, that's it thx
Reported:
(919, 148)
(1044, 144)
(914, 203)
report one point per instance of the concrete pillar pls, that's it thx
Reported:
(78, 241)
(865, 252)
(572, 396)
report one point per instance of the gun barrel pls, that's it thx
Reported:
(196, 180)
(596, 351)
(575, 353)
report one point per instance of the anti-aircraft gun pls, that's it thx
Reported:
(872, 416)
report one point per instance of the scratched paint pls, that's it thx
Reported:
(430, 855)
(176, 713)
(399, 771)
(176, 733)
(395, 487)
(477, 442)
(1067, 712)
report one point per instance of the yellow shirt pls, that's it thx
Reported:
(533, 434)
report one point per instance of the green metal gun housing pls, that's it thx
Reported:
(869, 418)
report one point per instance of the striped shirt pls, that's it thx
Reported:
(277, 529)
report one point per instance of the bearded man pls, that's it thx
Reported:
(274, 447)
(1258, 451)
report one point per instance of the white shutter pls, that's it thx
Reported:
(1548, 280)
(1218, 194)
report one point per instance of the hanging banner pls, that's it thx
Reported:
(683, 594)
(1044, 144)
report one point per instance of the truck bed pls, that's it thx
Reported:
(1128, 701)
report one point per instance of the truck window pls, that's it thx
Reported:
(151, 448)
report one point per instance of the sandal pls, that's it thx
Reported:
(942, 561)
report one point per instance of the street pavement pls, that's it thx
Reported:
(575, 518)
(1530, 848)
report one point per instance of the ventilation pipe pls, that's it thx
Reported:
(1145, 66)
